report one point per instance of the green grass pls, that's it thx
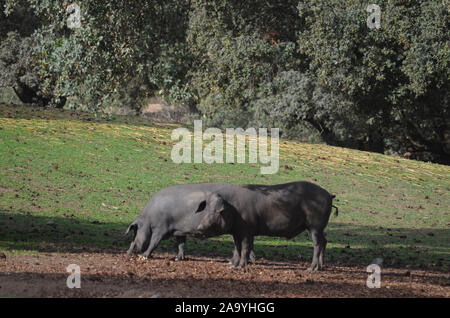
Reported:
(70, 180)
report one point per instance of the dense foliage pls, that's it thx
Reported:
(395, 78)
(292, 64)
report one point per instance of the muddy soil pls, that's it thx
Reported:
(114, 274)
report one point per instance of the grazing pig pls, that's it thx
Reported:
(283, 210)
(170, 213)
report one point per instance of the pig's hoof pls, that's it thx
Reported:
(242, 266)
(313, 268)
(252, 258)
(142, 257)
(233, 263)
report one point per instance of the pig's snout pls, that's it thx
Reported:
(200, 227)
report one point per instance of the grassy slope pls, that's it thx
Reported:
(68, 180)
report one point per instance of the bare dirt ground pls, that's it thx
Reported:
(114, 274)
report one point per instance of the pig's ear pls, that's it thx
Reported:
(201, 206)
(218, 203)
(133, 226)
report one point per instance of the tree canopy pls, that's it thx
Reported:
(283, 63)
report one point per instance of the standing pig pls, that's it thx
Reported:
(170, 213)
(283, 210)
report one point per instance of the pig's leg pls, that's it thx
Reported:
(247, 244)
(131, 249)
(319, 243)
(322, 251)
(252, 256)
(154, 241)
(181, 242)
(237, 257)
(237, 251)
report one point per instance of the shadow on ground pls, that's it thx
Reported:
(348, 245)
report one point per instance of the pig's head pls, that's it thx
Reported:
(141, 237)
(218, 215)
